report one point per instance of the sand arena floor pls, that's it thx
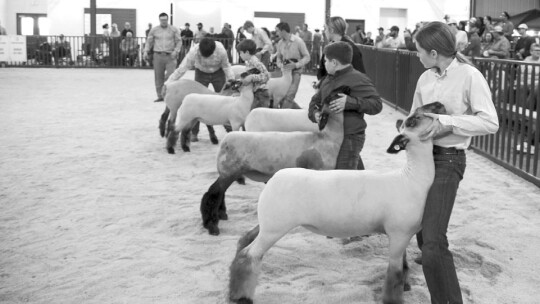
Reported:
(93, 209)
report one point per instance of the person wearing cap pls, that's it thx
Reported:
(523, 44)
(394, 41)
(187, 37)
(474, 47)
(501, 46)
(228, 33)
(201, 33)
(263, 42)
(380, 38)
(165, 42)
(211, 64)
(461, 36)
(507, 25)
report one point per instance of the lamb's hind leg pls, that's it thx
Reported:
(246, 265)
(212, 132)
(172, 138)
(406, 285)
(184, 140)
(163, 122)
(395, 278)
(212, 201)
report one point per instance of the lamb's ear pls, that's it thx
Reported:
(399, 123)
(399, 143)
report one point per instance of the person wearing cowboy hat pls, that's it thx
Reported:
(523, 44)
(501, 46)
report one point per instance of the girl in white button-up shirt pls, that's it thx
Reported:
(453, 81)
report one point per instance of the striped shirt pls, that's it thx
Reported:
(259, 80)
(194, 60)
(293, 48)
(465, 93)
(163, 39)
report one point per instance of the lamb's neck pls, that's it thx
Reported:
(334, 127)
(420, 166)
(246, 97)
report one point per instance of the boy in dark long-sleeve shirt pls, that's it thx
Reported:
(363, 99)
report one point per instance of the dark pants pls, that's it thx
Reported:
(437, 260)
(217, 79)
(349, 153)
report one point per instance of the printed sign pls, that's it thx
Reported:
(4, 48)
(17, 49)
(13, 48)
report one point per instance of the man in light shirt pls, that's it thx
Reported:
(291, 47)
(165, 42)
(263, 42)
(211, 64)
(394, 41)
(461, 36)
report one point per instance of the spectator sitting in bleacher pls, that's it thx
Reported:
(474, 47)
(524, 42)
(61, 50)
(500, 47)
(129, 49)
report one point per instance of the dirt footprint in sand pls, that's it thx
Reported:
(467, 259)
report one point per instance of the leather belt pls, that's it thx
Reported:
(160, 53)
(447, 151)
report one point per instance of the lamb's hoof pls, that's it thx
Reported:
(213, 139)
(223, 216)
(194, 138)
(161, 128)
(213, 229)
(243, 301)
(186, 149)
(241, 181)
(170, 150)
(407, 287)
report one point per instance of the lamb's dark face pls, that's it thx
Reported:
(415, 125)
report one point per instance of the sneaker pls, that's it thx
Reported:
(194, 138)
(525, 148)
(159, 100)
(418, 259)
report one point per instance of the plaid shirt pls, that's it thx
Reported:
(259, 80)
(211, 64)
(163, 39)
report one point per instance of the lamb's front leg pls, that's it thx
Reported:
(395, 278)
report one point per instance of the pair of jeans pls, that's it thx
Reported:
(437, 261)
(217, 79)
(162, 62)
(349, 153)
(288, 100)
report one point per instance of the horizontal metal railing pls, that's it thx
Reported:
(515, 94)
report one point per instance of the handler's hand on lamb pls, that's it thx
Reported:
(338, 105)
(435, 129)
(289, 66)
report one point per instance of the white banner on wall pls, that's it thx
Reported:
(4, 48)
(13, 48)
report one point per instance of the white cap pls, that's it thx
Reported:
(452, 21)
(523, 26)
